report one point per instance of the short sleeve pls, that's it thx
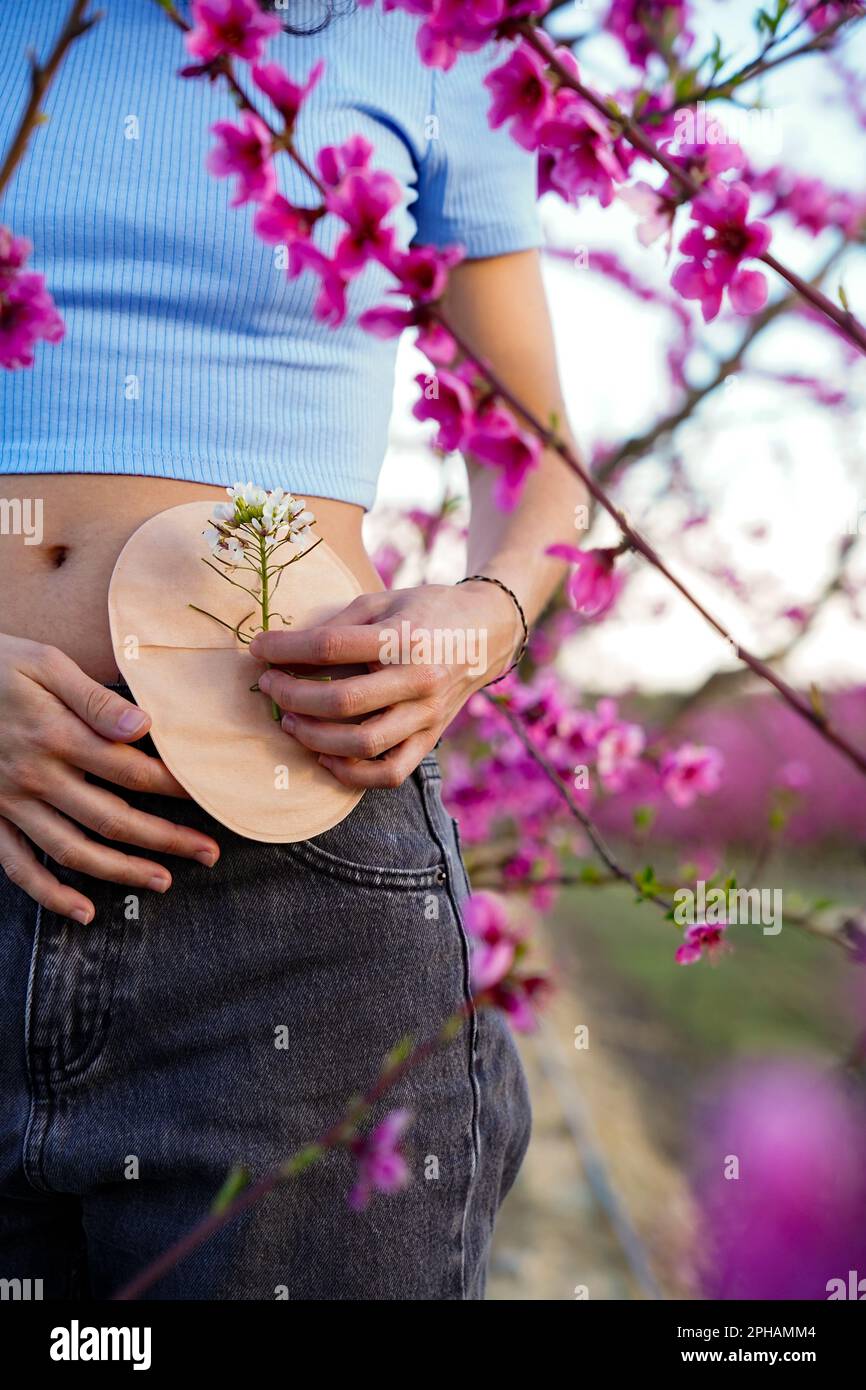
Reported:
(476, 186)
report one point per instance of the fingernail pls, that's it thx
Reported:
(159, 884)
(81, 915)
(326, 762)
(131, 720)
(288, 722)
(206, 857)
(265, 682)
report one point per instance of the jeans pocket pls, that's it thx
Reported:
(386, 841)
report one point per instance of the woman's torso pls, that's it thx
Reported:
(60, 536)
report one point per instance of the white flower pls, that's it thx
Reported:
(224, 511)
(248, 493)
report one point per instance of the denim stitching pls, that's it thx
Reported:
(475, 1127)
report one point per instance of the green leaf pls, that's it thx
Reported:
(644, 817)
(234, 1184)
(399, 1052)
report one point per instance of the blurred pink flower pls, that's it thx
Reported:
(699, 938)
(819, 16)
(494, 438)
(381, 1165)
(780, 1180)
(330, 304)
(422, 272)
(656, 210)
(716, 247)
(448, 400)
(279, 221)
(28, 314)
(287, 95)
(245, 151)
(363, 199)
(690, 771)
(593, 584)
(497, 946)
(14, 254)
(579, 153)
(645, 27)
(238, 28)
(618, 753)
(522, 96)
(334, 162)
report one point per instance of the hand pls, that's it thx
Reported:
(427, 650)
(56, 724)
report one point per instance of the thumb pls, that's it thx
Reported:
(103, 710)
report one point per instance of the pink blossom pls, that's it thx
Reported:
(645, 27)
(494, 941)
(496, 440)
(690, 771)
(246, 152)
(594, 583)
(656, 210)
(386, 321)
(387, 560)
(330, 304)
(716, 247)
(279, 221)
(448, 400)
(794, 1217)
(522, 96)
(232, 27)
(497, 946)
(820, 16)
(28, 315)
(452, 27)
(14, 254)
(618, 752)
(363, 199)
(381, 1165)
(700, 939)
(288, 96)
(579, 153)
(422, 272)
(334, 162)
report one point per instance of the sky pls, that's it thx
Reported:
(783, 479)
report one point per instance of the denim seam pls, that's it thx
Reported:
(475, 1128)
(366, 875)
(31, 1139)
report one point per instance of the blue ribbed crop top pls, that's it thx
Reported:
(188, 353)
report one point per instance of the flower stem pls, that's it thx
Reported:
(276, 712)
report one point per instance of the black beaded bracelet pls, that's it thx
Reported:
(488, 579)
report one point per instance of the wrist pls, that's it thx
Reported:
(505, 632)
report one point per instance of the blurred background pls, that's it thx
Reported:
(738, 448)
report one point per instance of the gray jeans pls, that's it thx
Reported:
(229, 1022)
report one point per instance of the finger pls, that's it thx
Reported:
(362, 609)
(22, 868)
(104, 711)
(317, 646)
(346, 699)
(129, 768)
(109, 816)
(367, 740)
(390, 771)
(69, 848)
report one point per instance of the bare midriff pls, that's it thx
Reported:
(54, 589)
